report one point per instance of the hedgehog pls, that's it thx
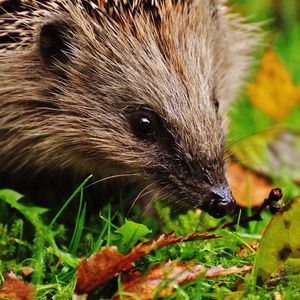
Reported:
(109, 87)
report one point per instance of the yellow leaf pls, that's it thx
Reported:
(273, 90)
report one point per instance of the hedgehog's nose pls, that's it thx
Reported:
(221, 202)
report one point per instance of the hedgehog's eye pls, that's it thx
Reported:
(144, 124)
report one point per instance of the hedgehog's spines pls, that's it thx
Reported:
(18, 17)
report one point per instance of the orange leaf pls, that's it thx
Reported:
(164, 275)
(248, 188)
(105, 264)
(221, 271)
(273, 90)
(162, 278)
(244, 251)
(99, 268)
(26, 271)
(15, 289)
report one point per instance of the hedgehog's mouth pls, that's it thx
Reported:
(217, 202)
(212, 196)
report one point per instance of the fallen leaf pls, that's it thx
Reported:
(26, 271)
(162, 278)
(244, 250)
(99, 268)
(221, 271)
(105, 264)
(15, 289)
(164, 240)
(248, 188)
(273, 90)
(279, 249)
(288, 271)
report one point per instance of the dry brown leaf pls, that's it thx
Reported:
(99, 268)
(26, 271)
(161, 275)
(164, 240)
(15, 289)
(273, 90)
(244, 250)
(248, 188)
(105, 264)
(221, 271)
(162, 278)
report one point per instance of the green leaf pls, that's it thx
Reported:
(278, 255)
(131, 233)
(31, 213)
(9, 196)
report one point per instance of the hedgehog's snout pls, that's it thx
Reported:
(221, 202)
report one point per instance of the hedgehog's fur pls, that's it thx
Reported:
(179, 59)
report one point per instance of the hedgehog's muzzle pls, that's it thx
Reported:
(221, 203)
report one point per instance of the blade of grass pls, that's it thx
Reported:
(78, 231)
(78, 226)
(69, 201)
(236, 230)
(99, 240)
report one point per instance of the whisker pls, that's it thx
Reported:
(112, 177)
(138, 197)
(149, 205)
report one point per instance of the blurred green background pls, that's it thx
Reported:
(281, 19)
(280, 23)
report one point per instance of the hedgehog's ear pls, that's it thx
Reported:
(54, 45)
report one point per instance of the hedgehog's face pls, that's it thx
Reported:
(188, 166)
(145, 110)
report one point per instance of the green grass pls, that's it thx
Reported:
(29, 237)
(53, 250)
